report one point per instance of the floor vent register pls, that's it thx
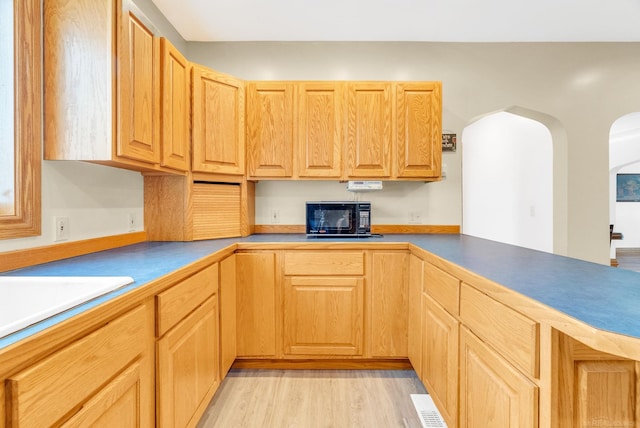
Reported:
(427, 411)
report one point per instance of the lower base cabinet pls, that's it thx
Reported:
(439, 371)
(103, 379)
(256, 304)
(492, 392)
(594, 389)
(227, 305)
(188, 372)
(323, 315)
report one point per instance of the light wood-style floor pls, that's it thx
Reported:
(628, 258)
(250, 398)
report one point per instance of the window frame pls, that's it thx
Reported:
(26, 221)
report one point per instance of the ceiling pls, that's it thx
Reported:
(405, 20)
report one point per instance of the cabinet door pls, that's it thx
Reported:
(323, 315)
(419, 129)
(269, 129)
(227, 314)
(107, 371)
(440, 358)
(115, 405)
(79, 103)
(592, 387)
(256, 304)
(188, 373)
(138, 84)
(218, 122)
(370, 130)
(492, 392)
(320, 129)
(389, 299)
(414, 327)
(174, 82)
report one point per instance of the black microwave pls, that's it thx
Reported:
(338, 219)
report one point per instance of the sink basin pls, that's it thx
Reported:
(25, 300)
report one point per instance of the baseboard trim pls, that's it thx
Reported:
(380, 228)
(323, 364)
(17, 259)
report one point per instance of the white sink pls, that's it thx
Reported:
(25, 300)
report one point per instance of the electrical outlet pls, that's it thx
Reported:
(275, 216)
(131, 218)
(415, 217)
(61, 225)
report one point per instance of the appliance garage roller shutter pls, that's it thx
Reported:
(216, 210)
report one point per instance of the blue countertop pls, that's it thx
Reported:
(604, 297)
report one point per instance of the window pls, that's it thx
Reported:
(20, 117)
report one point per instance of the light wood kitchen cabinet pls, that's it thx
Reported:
(344, 130)
(177, 208)
(174, 101)
(369, 130)
(418, 129)
(492, 392)
(269, 129)
(102, 85)
(414, 322)
(593, 388)
(320, 115)
(138, 84)
(188, 367)
(256, 304)
(439, 371)
(188, 357)
(389, 300)
(515, 336)
(218, 122)
(2, 404)
(228, 311)
(323, 315)
(103, 377)
(323, 303)
(440, 332)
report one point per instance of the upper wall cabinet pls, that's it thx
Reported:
(100, 107)
(218, 122)
(175, 92)
(370, 130)
(418, 129)
(138, 87)
(344, 130)
(320, 129)
(269, 130)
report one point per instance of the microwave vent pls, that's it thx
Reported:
(364, 185)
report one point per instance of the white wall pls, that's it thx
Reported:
(584, 86)
(508, 181)
(96, 199)
(392, 205)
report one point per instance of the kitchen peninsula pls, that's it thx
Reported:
(554, 339)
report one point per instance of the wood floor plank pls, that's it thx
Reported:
(628, 258)
(250, 398)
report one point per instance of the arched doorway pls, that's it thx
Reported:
(514, 179)
(624, 158)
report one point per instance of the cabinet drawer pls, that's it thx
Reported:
(44, 393)
(512, 334)
(324, 263)
(177, 302)
(444, 288)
